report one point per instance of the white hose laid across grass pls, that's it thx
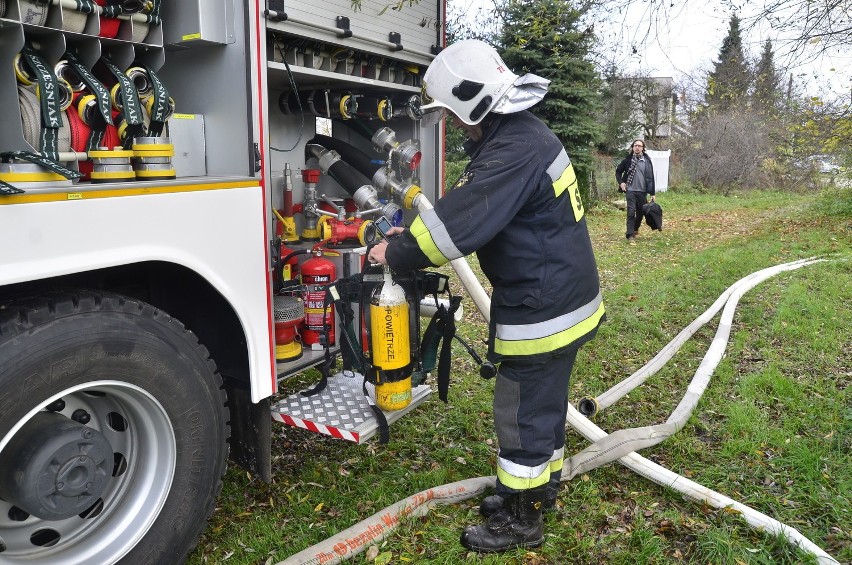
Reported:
(619, 443)
(358, 537)
(377, 527)
(618, 391)
(697, 492)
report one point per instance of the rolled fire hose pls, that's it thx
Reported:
(72, 19)
(33, 12)
(139, 31)
(31, 121)
(109, 26)
(355, 539)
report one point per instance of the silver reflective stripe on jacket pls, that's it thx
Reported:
(439, 234)
(517, 332)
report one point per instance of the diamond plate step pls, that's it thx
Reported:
(341, 410)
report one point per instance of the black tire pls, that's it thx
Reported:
(154, 403)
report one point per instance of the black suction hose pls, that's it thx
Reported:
(345, 174)
(352, 155)
(364, 128)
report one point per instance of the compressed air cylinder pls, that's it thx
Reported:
(391, 345)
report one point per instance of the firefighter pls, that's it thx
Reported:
(518, 207)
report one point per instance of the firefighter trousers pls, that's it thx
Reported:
(530, 409)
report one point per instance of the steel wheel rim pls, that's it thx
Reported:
(134, 497)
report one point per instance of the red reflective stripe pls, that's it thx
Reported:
(317, 428)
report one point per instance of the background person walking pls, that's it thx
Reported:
(635, 177)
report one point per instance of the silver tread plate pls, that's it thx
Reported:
(341, 410)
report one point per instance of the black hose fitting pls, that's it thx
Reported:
(588, 406)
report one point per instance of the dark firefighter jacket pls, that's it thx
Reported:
(624, 167)
(517, 205)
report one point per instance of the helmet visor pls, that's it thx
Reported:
(429, 112)
(432, 116)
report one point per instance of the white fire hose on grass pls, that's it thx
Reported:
(619, 445)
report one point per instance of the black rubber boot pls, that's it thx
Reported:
(517, 524)
(492, 504)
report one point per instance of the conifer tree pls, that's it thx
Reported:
(728, 83)
(767, 91)
(544, 37)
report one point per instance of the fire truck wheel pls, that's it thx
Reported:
(113, 432)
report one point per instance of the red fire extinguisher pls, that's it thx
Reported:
(317, 273)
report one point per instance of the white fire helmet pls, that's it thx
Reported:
(470, 79)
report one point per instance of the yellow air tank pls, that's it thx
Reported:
(391, 345)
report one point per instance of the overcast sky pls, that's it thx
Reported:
(689, 39)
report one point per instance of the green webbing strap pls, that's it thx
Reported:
(130, 102)
(51, 113)
(154, 12)
(86, 6)
(447, 326)
(152, 15)
(381, 420)
(429, 344)
(95, 86)
(7, 189)
(43, 161)
(160, 109)
(101, 94)
(441, 327)
(111, 11)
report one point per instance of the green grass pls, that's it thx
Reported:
(773, 430)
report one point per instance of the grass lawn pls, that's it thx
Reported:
(773, 430)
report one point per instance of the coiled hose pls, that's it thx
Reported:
(31, 120)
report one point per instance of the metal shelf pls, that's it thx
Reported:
(313, 78)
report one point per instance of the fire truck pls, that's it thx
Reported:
(183, 186)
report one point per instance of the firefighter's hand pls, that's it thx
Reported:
(394, 231)
(623, 187)
(653, 198)
(377, 252)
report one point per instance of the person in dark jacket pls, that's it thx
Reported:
(635, 177)
(518, 207)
